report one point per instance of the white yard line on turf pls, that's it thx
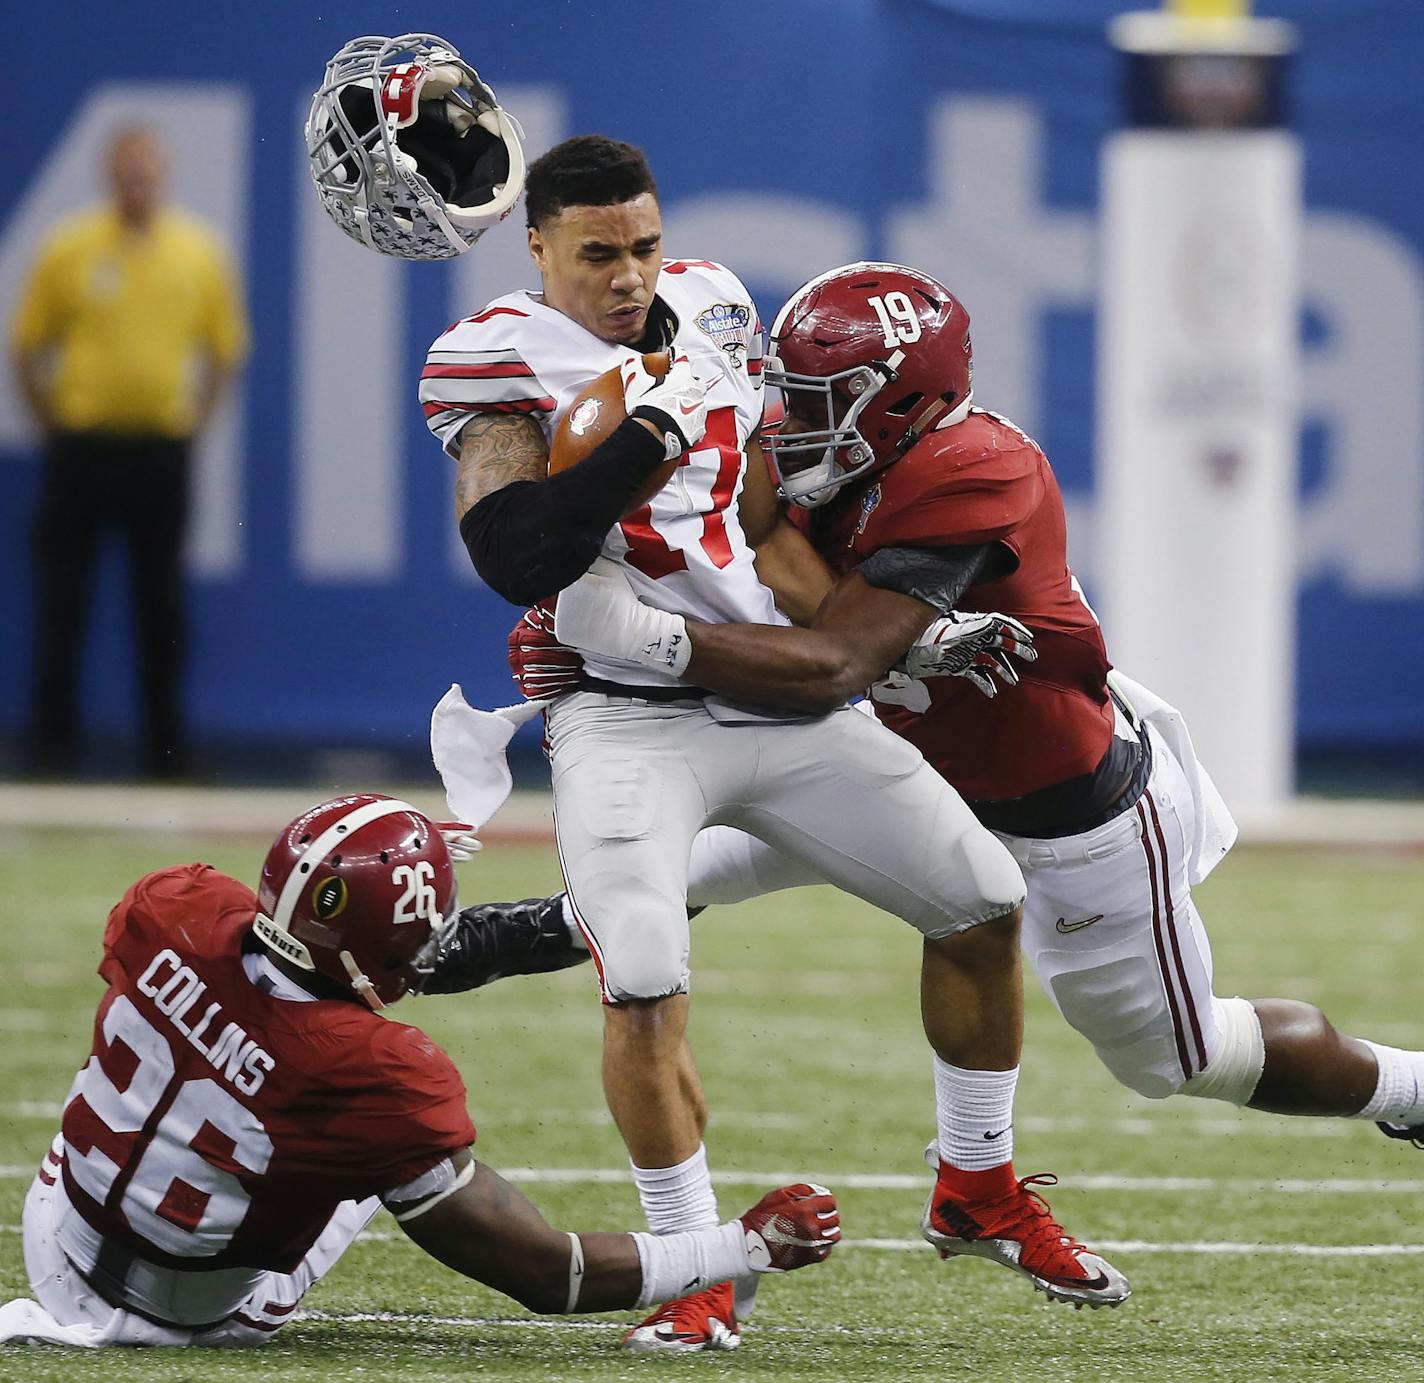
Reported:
(1133, 1126)
(1329, 823)
(896, 1181)
(386, 1236)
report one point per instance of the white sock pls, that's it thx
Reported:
(575, 935)
(675, 1265)
(975, 1112)
(1399, 1092)
(678, 1198)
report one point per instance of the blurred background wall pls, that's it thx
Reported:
(333, 603)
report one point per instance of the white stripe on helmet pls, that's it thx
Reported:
(324, 845)
(860, 266)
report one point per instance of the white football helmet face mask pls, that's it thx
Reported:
(810, 465)
(409, 149)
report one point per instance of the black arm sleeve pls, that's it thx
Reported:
(937, 575)
(534, 537)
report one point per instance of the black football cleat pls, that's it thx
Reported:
(1409, 1133)
(494, 940)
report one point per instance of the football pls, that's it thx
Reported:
(593, 416)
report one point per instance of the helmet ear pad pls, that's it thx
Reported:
(463, 169)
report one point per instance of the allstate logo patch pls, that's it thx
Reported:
(584, 416)
(869, 503)
(727, 324)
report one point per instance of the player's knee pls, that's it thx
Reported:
(1117, 1006)
(1234, 1068)
(1000, 880)
(655, 969)
(639, 934)
(985, 884)
(989, 946)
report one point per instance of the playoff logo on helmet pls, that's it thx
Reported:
(329, 898)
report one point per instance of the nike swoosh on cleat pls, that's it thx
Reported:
(1090, 1284)
(1066, 926)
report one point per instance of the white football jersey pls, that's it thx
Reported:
(685, 552)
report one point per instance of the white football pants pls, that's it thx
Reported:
(1109, 926)
(66, 1310)
(851, 803)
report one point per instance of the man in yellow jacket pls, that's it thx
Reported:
(128, 329)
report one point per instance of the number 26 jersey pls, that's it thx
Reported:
(216, 1125)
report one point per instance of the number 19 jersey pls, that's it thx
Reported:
(685, 552)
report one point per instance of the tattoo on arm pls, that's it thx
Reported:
(496, 449)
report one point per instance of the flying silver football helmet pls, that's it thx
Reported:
(410, 151)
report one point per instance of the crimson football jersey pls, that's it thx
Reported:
(980, 481)
(215, 1125)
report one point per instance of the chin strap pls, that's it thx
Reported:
(359, 982)
(936, 415)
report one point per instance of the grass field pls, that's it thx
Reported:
(1259, 1248)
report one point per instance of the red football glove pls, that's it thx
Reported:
(542, 666)
(791, 1227)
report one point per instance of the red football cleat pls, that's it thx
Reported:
(1016, 1228)
(703, 1321)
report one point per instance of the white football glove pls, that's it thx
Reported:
(675, 404)
(600, 613)
(975, 647)
(460, 839)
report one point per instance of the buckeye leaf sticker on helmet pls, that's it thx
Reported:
(410, 152)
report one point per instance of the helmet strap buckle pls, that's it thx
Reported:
(359, 981)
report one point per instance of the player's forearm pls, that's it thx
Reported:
(772, 665)
(529, 539)
(794, 572)
(491, 1232)
(859, 633)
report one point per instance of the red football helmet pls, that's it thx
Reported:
(881, 354)
(359, 889)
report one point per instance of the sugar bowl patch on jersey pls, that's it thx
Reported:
(729, 325)
(869, 503)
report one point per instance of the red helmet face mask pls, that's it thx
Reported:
(867, 357)
(360, 890)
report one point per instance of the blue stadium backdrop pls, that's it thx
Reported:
(333, 602)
